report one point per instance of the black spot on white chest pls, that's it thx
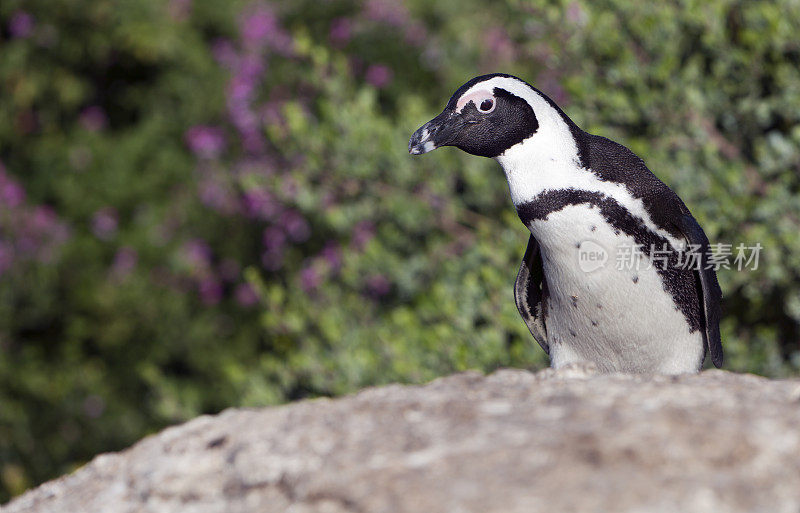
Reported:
(606, 312)
(563, 220)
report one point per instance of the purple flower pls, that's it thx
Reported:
(6, 257)
(124, 262)
(379, 75)
(58, 233)
(245, 295)
(341, 31)
(576, 15)
(271, 113)
(388, 12)
(205, 141)
(240, 91)
(274, 238)
(554, 90)
(224, 52)
(499, 46)
(260, 204)
(363, 232)
(332, 255)
(252, 142)
(310, 279)
(210, 289)
(104, 223)
(217, 196)
(42, 233)
(43, 219)
(11, 193)
(415, 34)
(251, 67)
(21, 24)
(257, 25)
(296, 226)
(27, 232)
(289, 188)
(272, 259)
(27, 245)
(259, 28)
(93, 118)
(197, 253)
(378, 285)
(242, 116)
(240, 88)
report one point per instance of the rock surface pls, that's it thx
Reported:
(513, 441)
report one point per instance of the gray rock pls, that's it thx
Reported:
(510, 442)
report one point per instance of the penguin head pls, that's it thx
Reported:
(489, 115)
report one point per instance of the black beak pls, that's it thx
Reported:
(435, 133)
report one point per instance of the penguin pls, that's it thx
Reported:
(585, 198)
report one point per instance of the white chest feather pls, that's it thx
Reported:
(612, 312)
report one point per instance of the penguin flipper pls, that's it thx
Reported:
(528, 293)
(712, 294)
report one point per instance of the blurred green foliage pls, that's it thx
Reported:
(208, 204)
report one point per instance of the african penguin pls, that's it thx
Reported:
(585, 196)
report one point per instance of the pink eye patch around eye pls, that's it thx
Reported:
(477, 97)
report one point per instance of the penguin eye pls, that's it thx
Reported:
(486, 105)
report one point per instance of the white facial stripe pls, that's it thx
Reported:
(548, 160)
(553, 135)
(476, 96)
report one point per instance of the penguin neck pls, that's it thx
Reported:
(548, 160)
(545, 173)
